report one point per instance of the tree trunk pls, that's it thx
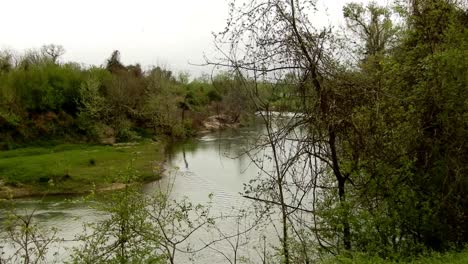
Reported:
(341, 188)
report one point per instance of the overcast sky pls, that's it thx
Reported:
(172, 33)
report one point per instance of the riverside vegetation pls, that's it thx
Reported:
(372, 168)
(51, 114)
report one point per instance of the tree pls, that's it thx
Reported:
(183, 77)
(121, 237)
(434, 99)
(113, 63)
(23, 237)
(6, 62)
(372, 25)
(176, 222)
(54, 52)
(369, 132)
(145, 228)
(280, 40)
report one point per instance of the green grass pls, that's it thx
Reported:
(74, 167)
(452, 258)
(435, 258)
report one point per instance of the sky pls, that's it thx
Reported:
(169, 33)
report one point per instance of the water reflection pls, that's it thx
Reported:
(212, 163)
(217, 164)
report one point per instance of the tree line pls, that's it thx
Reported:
(42, 98)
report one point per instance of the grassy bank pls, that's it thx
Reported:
(77, 168)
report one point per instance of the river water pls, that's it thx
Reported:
(213, 163)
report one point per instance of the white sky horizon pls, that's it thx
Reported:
(150, 32)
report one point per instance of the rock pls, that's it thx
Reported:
(108, 141)
(219, 122)
(107, 135)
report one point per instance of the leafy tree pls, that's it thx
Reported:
(119, 239)
(6, 63)
(435, 103)
(372, 25)
(113, 63)
(385, 152)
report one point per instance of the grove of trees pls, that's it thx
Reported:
(42, 98)
(377, 148)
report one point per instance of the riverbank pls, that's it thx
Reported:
(78, 168)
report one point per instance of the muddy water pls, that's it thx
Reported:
(213, 163)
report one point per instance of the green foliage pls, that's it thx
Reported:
(141, 228)
(213, 96)
(431, 75)
(372, 25)
(93, 107)
(433, 258)
(385, 123)
(391, 129)
(41, 98)
(118, 238)
(45, 87)
(27, 240)
(406, 150)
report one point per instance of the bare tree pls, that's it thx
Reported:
(23, 240)
(54, 52)
(273, 44)
(177, 222)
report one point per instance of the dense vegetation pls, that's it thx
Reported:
(47, 105)
(382, 109)
(43, 99)
(371, 169)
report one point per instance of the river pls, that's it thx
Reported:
(212, 163)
